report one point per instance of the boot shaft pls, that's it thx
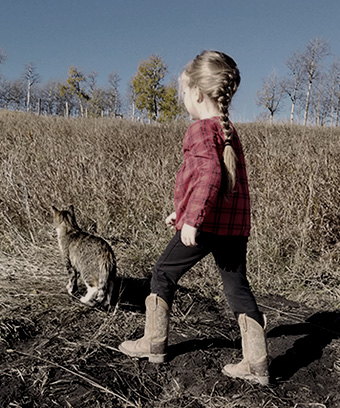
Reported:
(153, 344)
(157, 320)
(254, 344)
(254, 366)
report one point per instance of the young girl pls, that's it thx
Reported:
(212, 215)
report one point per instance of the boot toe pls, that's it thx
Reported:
(242, 371)
(130, 348)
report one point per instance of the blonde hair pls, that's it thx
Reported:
(217, 76)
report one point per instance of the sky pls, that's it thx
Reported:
(108, 36)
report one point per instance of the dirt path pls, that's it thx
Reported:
(63, 354)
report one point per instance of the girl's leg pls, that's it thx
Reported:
(172, 265)
(230, 255)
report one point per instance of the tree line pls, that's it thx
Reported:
(311, 87)
(79, 96)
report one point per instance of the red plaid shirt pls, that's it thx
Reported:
(200, 183)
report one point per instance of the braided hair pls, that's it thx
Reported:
(217, 76)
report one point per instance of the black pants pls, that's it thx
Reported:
(230, 256)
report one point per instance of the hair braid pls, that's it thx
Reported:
(229, 156)
(217, 75)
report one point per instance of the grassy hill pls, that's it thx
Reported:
(120, 177)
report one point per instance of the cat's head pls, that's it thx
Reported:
(64, 218)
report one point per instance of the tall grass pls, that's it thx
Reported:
(294, 176)
(120, 178)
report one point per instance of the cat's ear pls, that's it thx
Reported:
(71, 210)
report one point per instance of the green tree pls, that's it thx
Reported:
(75, 86)
(148, 87)
(170, 107)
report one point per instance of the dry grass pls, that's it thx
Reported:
(295, 247)
(120, 178)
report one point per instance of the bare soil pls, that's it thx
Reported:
(56, 352)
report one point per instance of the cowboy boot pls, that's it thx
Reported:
(254, 366)
(155, 340)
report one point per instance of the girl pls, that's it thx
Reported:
(212, 214)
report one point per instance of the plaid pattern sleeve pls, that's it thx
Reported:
(199, 191)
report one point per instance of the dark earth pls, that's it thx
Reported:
(66, 356)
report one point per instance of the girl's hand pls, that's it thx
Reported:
(171, 220)
(188, 235)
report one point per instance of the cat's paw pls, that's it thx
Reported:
(87, 302)
(71, 288)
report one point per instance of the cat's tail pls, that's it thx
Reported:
(107, 273)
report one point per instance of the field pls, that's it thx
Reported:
(56, 352)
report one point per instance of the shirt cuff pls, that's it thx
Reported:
(194, 221)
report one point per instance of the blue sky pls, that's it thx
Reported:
(114, 35)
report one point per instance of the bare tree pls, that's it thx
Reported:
(292, 86)
(99, 102)
(320, 103)
(334, 81)
(316, 50)
(3, 83)
(17, 94)
(113, 94)
(131, 98)
(50, 98)
(92, 80)
(3, 56)
(337, 108)
(32, 77)
(5, 95)
(271, 95)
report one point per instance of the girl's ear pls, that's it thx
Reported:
(199, 95)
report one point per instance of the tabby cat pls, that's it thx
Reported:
(86, 255)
